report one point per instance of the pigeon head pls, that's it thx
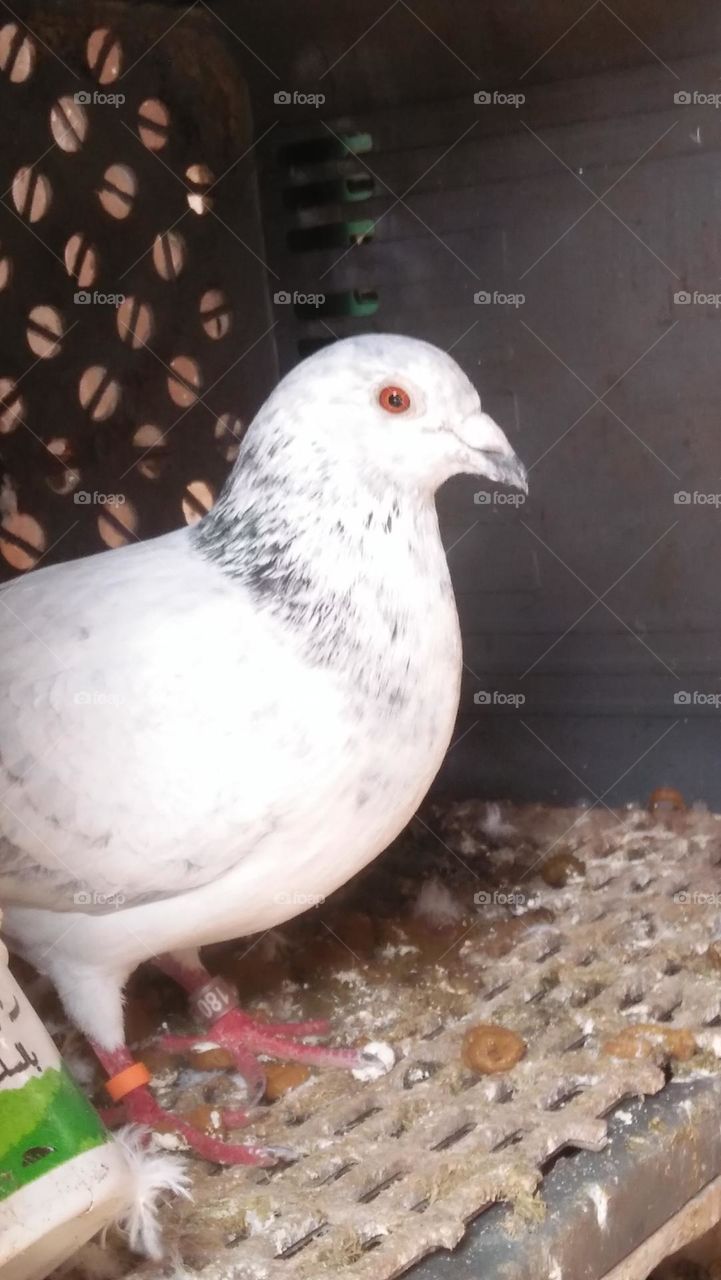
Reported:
(385, 405)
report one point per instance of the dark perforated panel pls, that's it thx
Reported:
(132, 285)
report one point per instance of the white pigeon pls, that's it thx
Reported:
(203, 732)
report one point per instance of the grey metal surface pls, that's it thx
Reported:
(593, 605)
(651, 1168)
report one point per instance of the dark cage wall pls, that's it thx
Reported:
(194, 198)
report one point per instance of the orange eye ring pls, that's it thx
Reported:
(394, 400)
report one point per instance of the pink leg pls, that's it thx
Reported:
(141, 1107)
(242, 1035)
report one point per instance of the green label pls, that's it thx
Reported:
(44, 1123)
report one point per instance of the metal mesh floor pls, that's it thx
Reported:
(389, 1171)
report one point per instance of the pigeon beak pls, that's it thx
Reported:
(491, 454)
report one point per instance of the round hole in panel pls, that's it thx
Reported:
(153, 124)
(197, 501)
(69, 123)
(228, 431)
(200, 179)
(81, 261)
(22, 540)
(118, 521)
(98, 392)
(135, 324)
(118, 191)
(6, 270)
(151, 442)
(45, 331)
(105, 55)
(32, 193)
(169, 254)
(12, 406)
(184, 381)
(215, 313)
(17, 53)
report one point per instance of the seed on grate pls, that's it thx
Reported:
(215, 314)
(134, 320)
(98, 392)
(68, 123)
(105, 55)
(32, 193)
(45, 331)
(81, 260)
(184, 381)
(118, 522)
(488, 1048)
(282, 1077)
(197, 501)
(22, 540)
(169, 254)
(153, 124)
(17, 53)
(200, 180)
(118, 190)
(12, 406)
(649, 1040)
(666, 800)
(227, 432)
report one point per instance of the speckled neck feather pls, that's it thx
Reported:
(331, 552)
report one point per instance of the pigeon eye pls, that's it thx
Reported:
(394, 400)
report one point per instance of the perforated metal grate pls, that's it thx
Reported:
(389, 1171)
